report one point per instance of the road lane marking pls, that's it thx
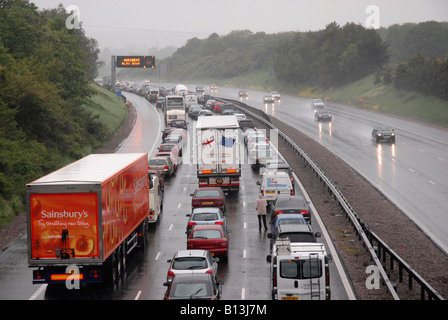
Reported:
(138, 295)
(243, 293)
(244, 254)
(171, 227)
(157, 256)
(178, 206)
(38, 292)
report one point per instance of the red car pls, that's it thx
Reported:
(171, 147)
(210, 237)
(217, 106)
(208, 197)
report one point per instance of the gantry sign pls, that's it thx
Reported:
(135, 62)
(144, 62)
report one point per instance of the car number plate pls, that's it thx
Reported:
(290, 298)
(270, 192)
(206, 203)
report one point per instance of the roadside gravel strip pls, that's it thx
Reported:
(380, 214)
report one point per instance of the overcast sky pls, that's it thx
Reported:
(147, 23)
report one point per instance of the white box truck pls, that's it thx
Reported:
(299, 271)
(218, 152)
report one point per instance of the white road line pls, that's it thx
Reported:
(157, 256)
(245, 225)
(244, 254)
(38, 292)
(171, 227)
(243, 293)
(138, 295)
(178, 206)
(432, 182)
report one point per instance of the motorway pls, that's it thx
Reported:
(412, 173)
(245, 273)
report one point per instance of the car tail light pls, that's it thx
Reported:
(304, 212)
(191, 223)
(219, 222)
(219, 203)
(170, 273)
(278, 212)
(209, 271)
(291, 192)
(165, 167)
(262, 192)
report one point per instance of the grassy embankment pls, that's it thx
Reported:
(111, 113)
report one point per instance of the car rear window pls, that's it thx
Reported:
(298, 237)
(207, 234)
(300, 269)
(157, 162)
(207, 193)
(205, 217)
(190, 289)
(282, 222)
(166, 148)
(189, 263)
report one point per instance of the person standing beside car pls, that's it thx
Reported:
(260, 207)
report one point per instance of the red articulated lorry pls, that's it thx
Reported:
(85, 218)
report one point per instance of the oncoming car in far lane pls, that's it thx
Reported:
(383, 133)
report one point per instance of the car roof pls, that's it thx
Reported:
(207, 227)
(191, 276)
(190, 253)
(206, 210)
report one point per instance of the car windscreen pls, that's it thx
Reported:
(189, 263)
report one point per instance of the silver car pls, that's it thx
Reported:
(192, 261)
(207, 215)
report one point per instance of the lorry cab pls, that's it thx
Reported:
(299, 271)
(273, 183)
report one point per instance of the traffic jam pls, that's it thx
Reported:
(89, 217)
(223, 139)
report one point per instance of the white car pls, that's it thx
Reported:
(192, 261)
(276, 95)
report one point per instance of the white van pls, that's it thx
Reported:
(273, 183)
(299, 271)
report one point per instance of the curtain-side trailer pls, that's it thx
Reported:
(218, 152)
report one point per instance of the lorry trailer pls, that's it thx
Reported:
(84, 219)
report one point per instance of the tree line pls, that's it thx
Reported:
(45, 70)
(331, 57)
